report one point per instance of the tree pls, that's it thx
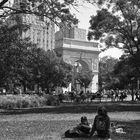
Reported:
(14, 55)
(84, 78)
(127, 74)
(22, 63)
(106, 77)
(118, 25)
(49, 70)
(54, 10)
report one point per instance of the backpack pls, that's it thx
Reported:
(101, 124)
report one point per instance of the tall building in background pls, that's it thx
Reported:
(42, 30)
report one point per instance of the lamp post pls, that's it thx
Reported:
(138, 83)
(38, 80)
(74, 76)
(132, 88)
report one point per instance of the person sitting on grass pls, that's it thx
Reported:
(101, 124)
(81, 130)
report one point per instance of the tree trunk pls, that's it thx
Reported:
(85, 89)
(132, 94)
(24, 87)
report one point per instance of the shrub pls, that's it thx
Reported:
(42, 101)
(51, 100)
(27, 101)
(21, 101)
(6, 102)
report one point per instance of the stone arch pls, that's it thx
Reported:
(81, 51)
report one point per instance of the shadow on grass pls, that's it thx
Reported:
(79, 108)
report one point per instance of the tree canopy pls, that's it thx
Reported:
(84, 78)
(55, 10)
(50, 71)
(126, 71)
(114, 73)
(117, 24)
(14, 54)
(107, 79)
(22, 63)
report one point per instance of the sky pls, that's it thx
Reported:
(83, 14)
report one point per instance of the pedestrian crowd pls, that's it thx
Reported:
(106, 95)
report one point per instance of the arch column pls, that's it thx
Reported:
(94, 83)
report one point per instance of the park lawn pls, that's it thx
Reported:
(20, 127)
(51, 123)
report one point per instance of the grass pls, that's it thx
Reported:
(51, 125)
(45, 130)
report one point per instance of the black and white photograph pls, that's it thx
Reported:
(70, 69)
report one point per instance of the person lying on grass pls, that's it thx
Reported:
(81, 130)
(117, 128)
(101, 124)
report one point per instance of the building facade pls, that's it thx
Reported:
(42, 30)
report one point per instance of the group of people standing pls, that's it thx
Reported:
(118, 95)
(106, 95)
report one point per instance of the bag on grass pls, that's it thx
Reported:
(71, 134)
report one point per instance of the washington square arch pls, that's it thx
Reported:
(80, 53)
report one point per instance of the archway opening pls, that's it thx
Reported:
(82, 65)
(82, 76)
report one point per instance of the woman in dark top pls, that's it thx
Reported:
(101, 123)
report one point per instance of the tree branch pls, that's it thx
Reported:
(3, 2)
